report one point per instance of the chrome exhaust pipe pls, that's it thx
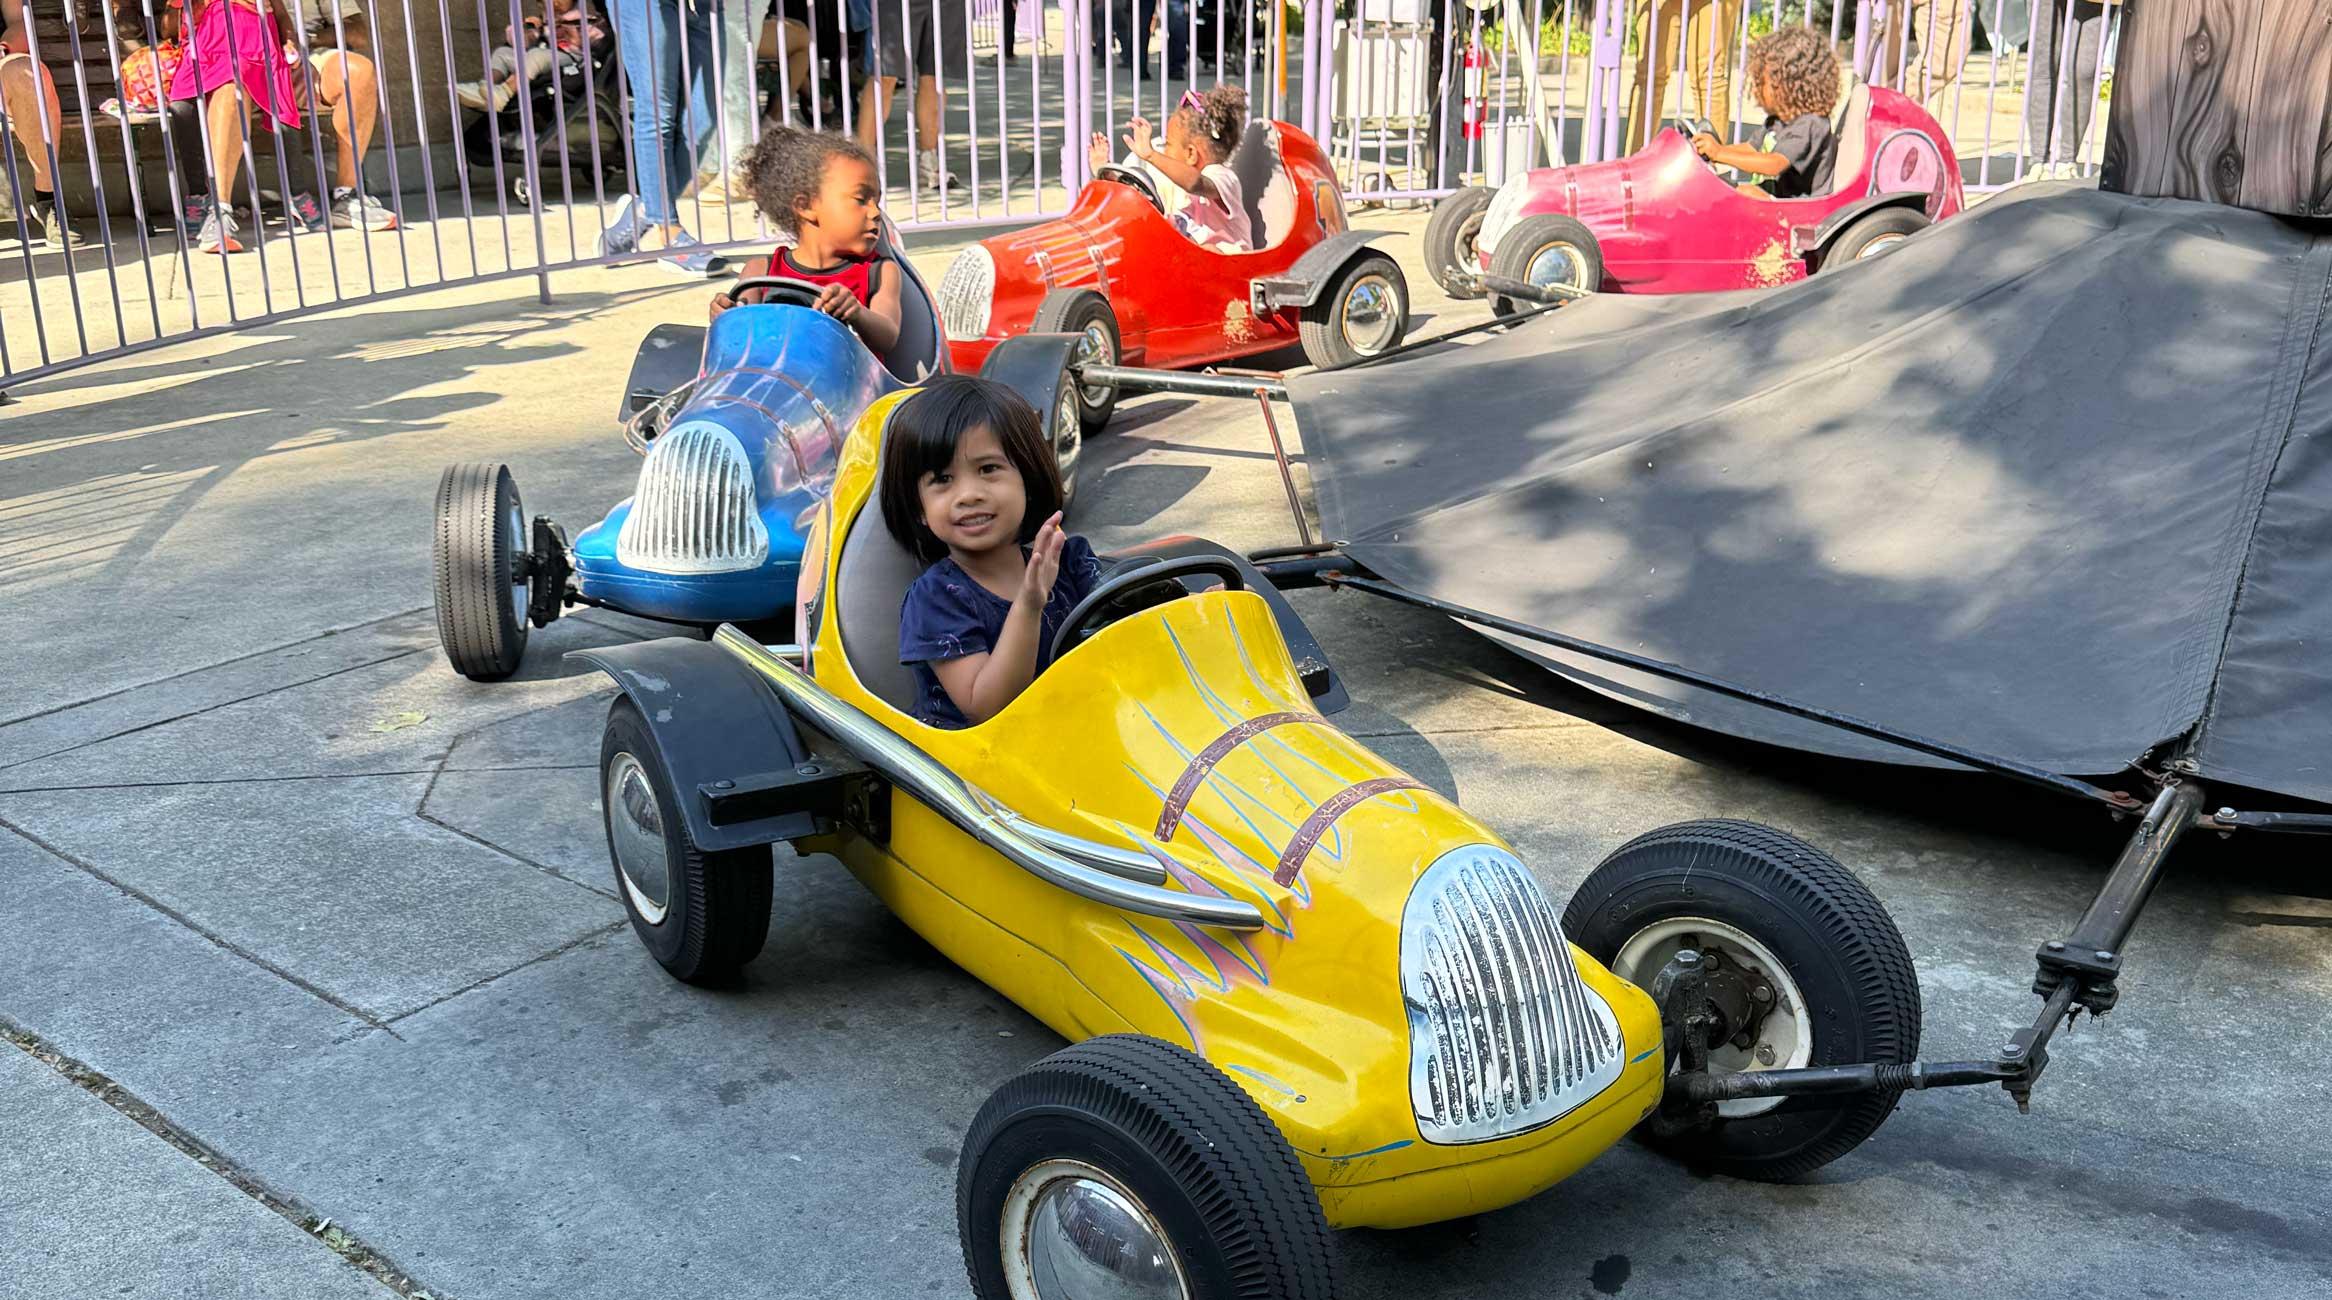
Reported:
(1104, 873)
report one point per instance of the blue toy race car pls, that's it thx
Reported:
(740, 426)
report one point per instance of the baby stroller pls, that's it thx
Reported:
(567, 108)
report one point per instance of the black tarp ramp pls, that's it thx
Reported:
(2052, 481)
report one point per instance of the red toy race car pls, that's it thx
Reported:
(1662, 221)
(1114, 270)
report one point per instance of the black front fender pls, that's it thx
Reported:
(1302, 284)
(1032, 365)
(1806, 241)
(716, 721)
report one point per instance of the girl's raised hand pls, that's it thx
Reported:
(1044, 562)
(1138, 136)
(1097, 152)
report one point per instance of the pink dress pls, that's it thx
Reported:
(233, 43)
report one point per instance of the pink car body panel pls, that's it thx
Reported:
(1666, 223)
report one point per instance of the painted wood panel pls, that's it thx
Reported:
(2225, 100)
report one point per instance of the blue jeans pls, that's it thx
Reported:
(651, 36)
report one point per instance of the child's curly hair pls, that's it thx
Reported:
(1800, 67)
(1219, 118)
(787, 166)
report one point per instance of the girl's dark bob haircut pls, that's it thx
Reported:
(923, 436)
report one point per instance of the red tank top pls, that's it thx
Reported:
(858, 277)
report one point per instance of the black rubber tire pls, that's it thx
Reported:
(1200, 1155)
(470, 562)
(1449, 240)
(1853, 243)
(1519, 247)
(1321, 328)
(717, 916)
(1070, 311)
(1838, 943)
(1066, 437)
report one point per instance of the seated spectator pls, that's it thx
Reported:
(559, 36)
(238, 61)
(28, 99)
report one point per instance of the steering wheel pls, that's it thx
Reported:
(1124, 592)
(795, 293)
(1138, 181)
(1696, 126)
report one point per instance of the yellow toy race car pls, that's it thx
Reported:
(1305, 990)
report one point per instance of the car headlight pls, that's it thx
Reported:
(1505, 210)
(1503, 1034)
(965, 294)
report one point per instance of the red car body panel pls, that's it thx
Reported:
(1667, 223)
(1177, 304)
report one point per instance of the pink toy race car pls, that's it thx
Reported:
(1662, 221)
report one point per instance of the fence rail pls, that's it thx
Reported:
(374, 149)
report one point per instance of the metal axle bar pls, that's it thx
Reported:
(1828, 1080)
(1137, 379)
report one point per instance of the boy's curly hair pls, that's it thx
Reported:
(1800, 67)
(788, 165)
(1219, 118)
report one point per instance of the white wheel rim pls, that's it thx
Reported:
(1785, 1037)
(1068, 436)
(1095, 348)
(1371, 314)
(1558, 264)
(515, 550)
(635, 836)
(1071, 1232)
(1878, 246)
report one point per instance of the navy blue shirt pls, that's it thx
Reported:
(948, 615)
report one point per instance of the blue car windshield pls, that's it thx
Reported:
(800, 376)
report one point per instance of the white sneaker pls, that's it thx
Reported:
(929, 173)
(485, 96)
(218, 232)
(354, 211)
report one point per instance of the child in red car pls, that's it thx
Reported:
(1200, 138)
(1795, 73)
(821, 189)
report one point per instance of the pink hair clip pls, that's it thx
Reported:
(1190, 99)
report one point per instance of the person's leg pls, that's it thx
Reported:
(736, 79)
(2077, 102)
(874, 103)
(1943, 31)
(186, 129)
(28, 96)
(648, 46)
(2040, 82)
(347, 88)
(225, 112)
(1709, 61)
(1657, 26)
(798, 56)
(1011, 20)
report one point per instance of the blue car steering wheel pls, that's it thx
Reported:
(796, 293)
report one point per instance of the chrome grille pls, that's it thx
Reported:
(965, 294)
(694, 511)
(1503, 1034)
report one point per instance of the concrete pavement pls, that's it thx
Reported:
(344, 920)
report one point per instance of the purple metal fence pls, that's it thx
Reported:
(438, 143)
